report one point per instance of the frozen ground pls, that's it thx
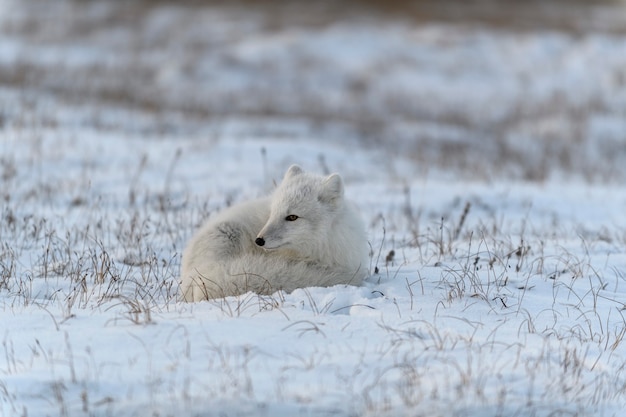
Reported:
(488, 164)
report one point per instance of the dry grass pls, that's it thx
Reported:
(462, 311)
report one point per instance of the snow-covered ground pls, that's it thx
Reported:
(488, 164)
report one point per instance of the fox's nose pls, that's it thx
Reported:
(260, 241)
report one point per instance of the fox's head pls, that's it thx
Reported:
(303, 210)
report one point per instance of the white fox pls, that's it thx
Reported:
(304, 235)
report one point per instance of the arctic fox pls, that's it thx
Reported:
(305, 234)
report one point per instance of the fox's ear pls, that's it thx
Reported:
(293, 171)
(332, 189)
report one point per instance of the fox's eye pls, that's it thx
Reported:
(291, 218)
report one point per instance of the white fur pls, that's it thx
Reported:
(326, 245)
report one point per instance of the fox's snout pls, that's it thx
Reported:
(266, 236)
(268, 239)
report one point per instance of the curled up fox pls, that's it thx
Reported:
(303, 235)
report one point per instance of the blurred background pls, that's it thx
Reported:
(485, 90)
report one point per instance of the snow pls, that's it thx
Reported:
(488, 166)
